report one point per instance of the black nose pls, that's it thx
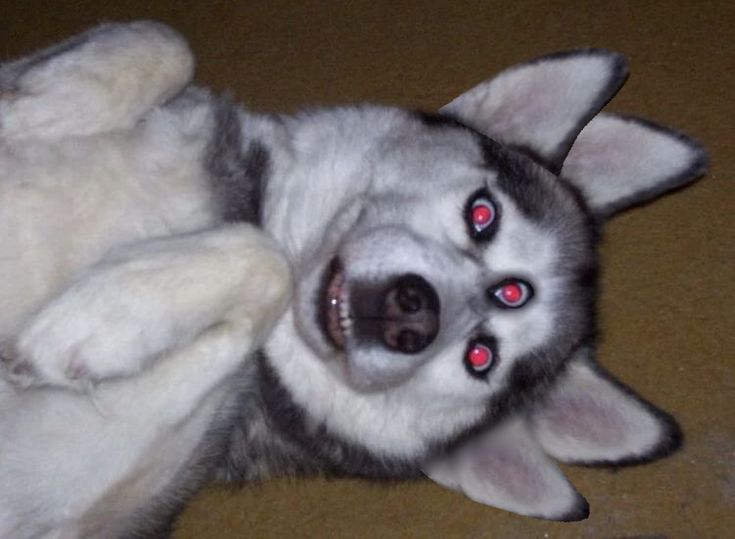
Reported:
(410, 315)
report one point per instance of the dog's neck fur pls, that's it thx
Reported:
(272, 436)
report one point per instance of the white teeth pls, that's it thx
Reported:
(345, 321)
(339, 321)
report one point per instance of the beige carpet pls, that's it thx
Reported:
(669, 282)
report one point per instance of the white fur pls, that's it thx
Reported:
(64, 204)
(421, 417)
(51, 439)
(116, 74)
(73, 186)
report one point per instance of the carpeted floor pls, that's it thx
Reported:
(669, 280)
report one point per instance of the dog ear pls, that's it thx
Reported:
(540, 107)
(618, 162)
(592, 419)
(506, 468)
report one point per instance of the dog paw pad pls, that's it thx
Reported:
(16, 369)
(76, 370)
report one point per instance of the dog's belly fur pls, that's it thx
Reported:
(63, 205)
(133, 460)
(117, 188)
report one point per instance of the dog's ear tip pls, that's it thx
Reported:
(618, 59)
(620, 68)
(699, 156)
(670, 441)
(580, 511)
(585, 51)
(701, 162)
(619, 65)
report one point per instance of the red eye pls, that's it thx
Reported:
(513, 293)
(482, 213)
(479, 357)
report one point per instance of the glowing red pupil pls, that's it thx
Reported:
(479, 356)
(512, 293)
(481, 215)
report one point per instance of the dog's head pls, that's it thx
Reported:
(445, 269)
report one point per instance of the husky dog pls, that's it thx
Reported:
(191, 291)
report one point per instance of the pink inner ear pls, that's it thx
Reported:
(618, 162)
(525, 105)
(583, 418)
(507, 470)
(602, 149)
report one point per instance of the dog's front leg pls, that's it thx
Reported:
(103, 79)
(144, 300)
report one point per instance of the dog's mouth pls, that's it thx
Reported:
(334, 306)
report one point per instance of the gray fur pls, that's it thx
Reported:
(237, 172)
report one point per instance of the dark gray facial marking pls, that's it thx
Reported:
(434, 119)
(517, 180)
(516, 176)
(237, 172)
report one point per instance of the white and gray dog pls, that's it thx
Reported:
(191, 291)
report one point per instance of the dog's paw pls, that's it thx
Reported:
(14, 367)
(32, 366)
(23, 371)
(94, 331)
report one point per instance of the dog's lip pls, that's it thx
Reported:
(334, 312)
